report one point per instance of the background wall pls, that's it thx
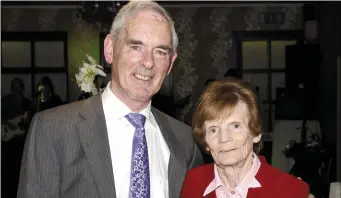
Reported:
(205, 34)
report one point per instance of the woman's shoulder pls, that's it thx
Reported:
(276, 174)
(279, 181)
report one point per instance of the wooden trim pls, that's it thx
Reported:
(237, 46)
(38, 3)
(269, 85)
(66, 64)
(33, 67)
(35, 70)
(163, 3)
(271, 70)
(268, 35)
(267, 102)
(34, 36)
(338, 116)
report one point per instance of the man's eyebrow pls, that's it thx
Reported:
(134, 42)
(138, 42)
(165, 47)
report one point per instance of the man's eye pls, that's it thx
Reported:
(135, 47)
(162, 53)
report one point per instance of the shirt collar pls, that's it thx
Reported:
(249, 180)
(117, 109)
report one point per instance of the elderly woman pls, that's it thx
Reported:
(227, 124)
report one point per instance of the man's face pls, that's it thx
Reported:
(141, 57)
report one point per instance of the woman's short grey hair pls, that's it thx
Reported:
(132, 8)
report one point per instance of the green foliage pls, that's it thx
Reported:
(83, 39)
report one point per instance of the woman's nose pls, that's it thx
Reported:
(224, 136)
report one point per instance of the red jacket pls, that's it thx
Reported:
(274, 183)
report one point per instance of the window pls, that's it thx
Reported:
(260, 58)
(31, 55)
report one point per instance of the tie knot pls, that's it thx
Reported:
(136, 119)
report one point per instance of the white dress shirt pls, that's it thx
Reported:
(121, 133)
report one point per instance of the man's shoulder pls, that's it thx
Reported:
(171, 121)
(179, 123)
(62, 110)
(65, 114)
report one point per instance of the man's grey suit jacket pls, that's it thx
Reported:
(67, 153)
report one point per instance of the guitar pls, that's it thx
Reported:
(13, 127)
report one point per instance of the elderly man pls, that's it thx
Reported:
(115, 144)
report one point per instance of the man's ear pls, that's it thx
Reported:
(108, 48)
(172, 62)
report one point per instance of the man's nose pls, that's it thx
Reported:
(148, 59)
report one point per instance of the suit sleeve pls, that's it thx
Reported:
(39, 174)
(196, 158)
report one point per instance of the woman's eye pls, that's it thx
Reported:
(213, 130)
(235, 126)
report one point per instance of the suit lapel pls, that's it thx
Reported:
(177, 166)
(93, 135)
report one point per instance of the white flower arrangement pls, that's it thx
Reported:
(87, 74)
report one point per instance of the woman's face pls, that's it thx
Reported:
(229, 139)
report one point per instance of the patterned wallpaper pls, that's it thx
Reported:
(206, 43)
(205, 35)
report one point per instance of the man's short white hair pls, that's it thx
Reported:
(132, 8)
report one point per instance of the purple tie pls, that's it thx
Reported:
(139, 174)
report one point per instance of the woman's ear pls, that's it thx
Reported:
(257, 138)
